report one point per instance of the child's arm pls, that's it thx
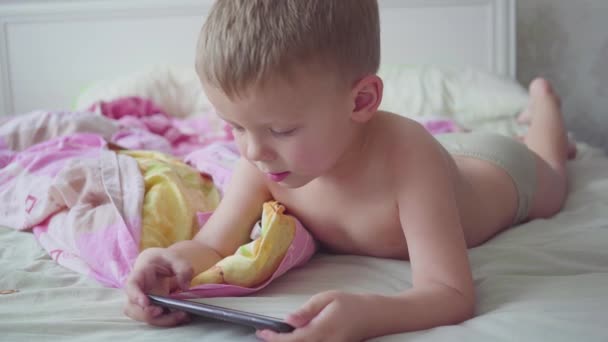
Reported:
(159, 270)
(443, 291)
(230, 225)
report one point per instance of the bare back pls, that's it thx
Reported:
(359, 214)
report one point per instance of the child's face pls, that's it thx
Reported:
(294, 132)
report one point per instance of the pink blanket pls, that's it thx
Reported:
(84, 201)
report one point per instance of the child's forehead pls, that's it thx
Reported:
(301, 76)
(297, 81)
(278, 99)
(311, 77)
(262, 107)
(304, 89)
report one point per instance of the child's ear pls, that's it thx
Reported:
(367, 95)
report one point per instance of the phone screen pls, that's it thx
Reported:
(221, 313)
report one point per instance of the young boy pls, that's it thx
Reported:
(297, 81)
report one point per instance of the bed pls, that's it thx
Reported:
(542, 280)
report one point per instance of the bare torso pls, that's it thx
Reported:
(359, 213)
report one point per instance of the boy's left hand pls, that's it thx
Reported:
(328, 316)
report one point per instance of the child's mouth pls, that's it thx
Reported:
(277, 177)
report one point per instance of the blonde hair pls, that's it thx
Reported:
(247, 42)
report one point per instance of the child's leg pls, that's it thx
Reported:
(547, 137)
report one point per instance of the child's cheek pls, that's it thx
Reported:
(306, 158)
(240, 144)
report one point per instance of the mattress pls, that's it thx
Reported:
(543, 280)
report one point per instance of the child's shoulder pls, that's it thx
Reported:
(402, 133)
(406, 144)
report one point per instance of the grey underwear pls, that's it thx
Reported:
(506, 153)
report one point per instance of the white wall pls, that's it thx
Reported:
(51, 50)
(567, 42)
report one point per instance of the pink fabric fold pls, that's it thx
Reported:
(84, 202)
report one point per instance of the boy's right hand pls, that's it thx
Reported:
(156, 271)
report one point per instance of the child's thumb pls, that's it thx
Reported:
(310, 310)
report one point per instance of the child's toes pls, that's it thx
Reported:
(525, 117)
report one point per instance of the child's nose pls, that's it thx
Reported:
(257, 151)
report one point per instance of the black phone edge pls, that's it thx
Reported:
(224, 314)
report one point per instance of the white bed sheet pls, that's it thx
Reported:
(544, 280)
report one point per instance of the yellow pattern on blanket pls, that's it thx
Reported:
(174, 193)
(255, 262)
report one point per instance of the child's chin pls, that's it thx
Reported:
(293, 182)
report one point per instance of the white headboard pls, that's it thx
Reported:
(51, 50)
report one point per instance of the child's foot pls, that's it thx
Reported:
(540, 90)
(542, 94)
(571, 149)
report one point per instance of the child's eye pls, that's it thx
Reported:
(238, 129)
(282, 133)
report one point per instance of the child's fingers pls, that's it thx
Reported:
(151, 312)
(266, 335)
(155, 315)
(139, 313)
(134, 290)
(180, 268)
(149, 279)
(170, 319)
(310, 310)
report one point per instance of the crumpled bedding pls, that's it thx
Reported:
(81, 201)
(94, 199)
(94, 209)
(544, 280)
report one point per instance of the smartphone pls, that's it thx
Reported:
(224, 314)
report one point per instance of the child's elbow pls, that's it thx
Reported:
(465, 309)
(461, 305)
(468, 311)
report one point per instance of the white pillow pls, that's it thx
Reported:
(475, 99)
(176, 89)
